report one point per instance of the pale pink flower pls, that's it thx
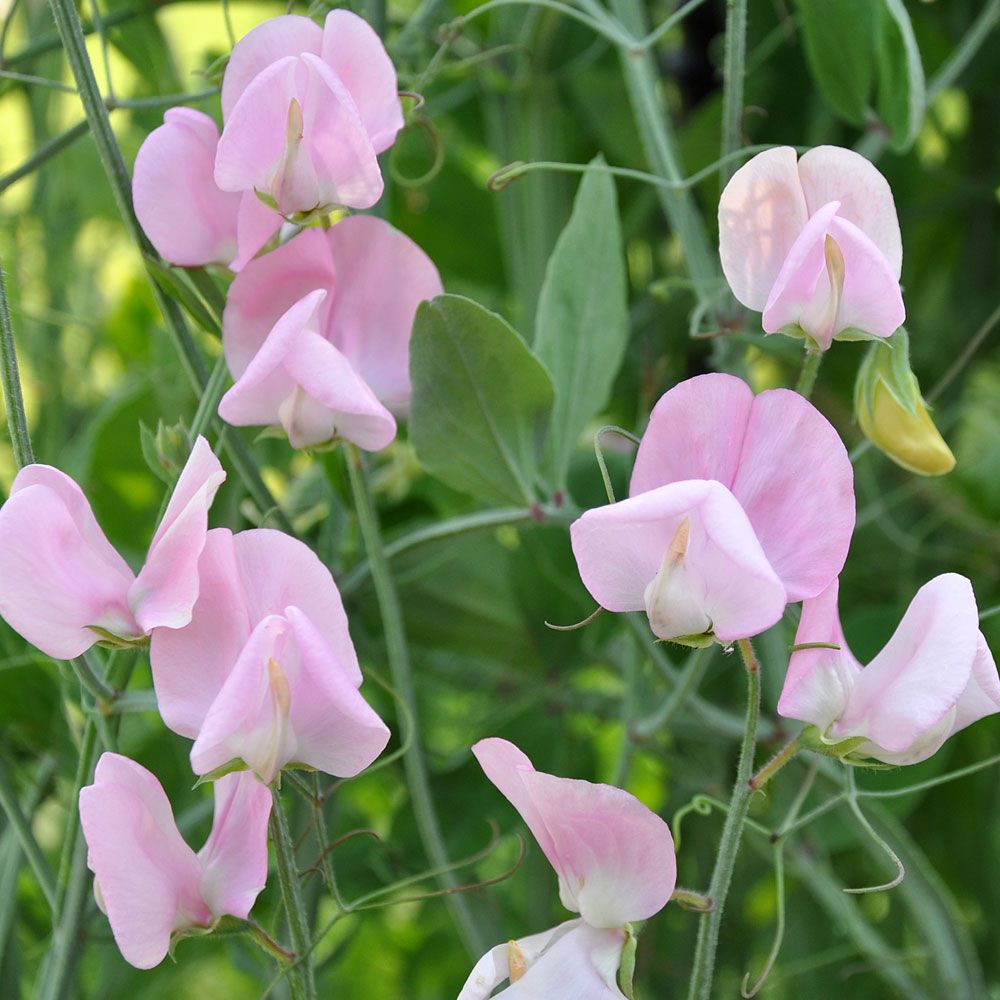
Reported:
(265, 676)
(615, 862)
(814, 245)
(63, 586)
(306, 110)
(739, 504)
(935, 676)
(317, 333)
(147, 880)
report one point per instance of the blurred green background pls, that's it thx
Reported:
(524, 83)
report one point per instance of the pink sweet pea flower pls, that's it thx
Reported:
(615, 862)
(306, 111)
(814, 245)
(63, 587)
(739, 504)
(934, 677)
(317, 343)
(147, 880)
(265, 676)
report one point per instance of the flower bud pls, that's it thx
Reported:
(892, 413)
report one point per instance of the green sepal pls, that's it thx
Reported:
(236, 764)
(108, 640)
(843, 750)
(626, 971)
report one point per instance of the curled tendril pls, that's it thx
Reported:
(580, 624)
(852, 801)
(700, 804)
(599, 452)
(746, 989)
(435, 146)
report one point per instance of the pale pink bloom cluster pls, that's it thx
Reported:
(615, 862)
(813, 244)
(312, 337)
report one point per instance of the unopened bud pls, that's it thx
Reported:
(892, 413)
(166, 451)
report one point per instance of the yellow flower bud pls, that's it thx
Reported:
(892, 413)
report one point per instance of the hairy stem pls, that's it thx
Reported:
(700, 985)
(810, 369)
(734, 70)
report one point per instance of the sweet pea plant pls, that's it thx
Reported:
(397, 541)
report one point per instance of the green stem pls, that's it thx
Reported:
(810, 369)
(700, 986)
(776, 763)
(733, 73)
(965, 51)
(17, 421)
(686, 686)
(300, 975)
(45, 152)
(402, 679)
(660, 145)
(22, 830)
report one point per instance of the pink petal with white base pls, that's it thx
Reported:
(255, 225)
(353, 50)
(687, 554)
(572, 962)
(277, 38)
(186, 216)
(58, 572)
(831, 173)
(761, 212)
(614, 857)
(167, 586)
(148, 877)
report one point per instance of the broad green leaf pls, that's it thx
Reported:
(840, 42)
(582, 323)
(902, 91)
(481, 401)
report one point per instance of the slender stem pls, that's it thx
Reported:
(686, 686)
(602, 25)
(45, 152)
(700, 986)
(22, 830)
(91, 681)
(810, 369)
(776, 763)
(969, 352)
(660, 145)
(733, 73)
(399, 665)
(300, 975)
(965, 51)
(671, 22)
(17, 421)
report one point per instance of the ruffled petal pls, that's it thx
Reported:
(796, 484)
(832, 173)
(234, 858)
(353, 50)
(58, 572)
(277, 38)
(620, 550)
(148, 878)
(186, 216)
(371, 328)
(761, 212)
(614, 857)
(918, 678)
(166, 589)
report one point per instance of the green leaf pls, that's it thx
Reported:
(481, 401)
(902, 91)
(840, 42)
(582, 324)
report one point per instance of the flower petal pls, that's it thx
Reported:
(353, 50)
(695, 431)
(184, 213)
(832, 173)
(796, 484)
(58, 572)
(255, 225)
(761, 212)
(614, 857)
(819, 682)
(336, 730)
(166, 589)
(981, 696)
(234, 858)
(871, 301)
(147, 876)
(370, 327)
(918, 678)
(277, 38)
(620, 549)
